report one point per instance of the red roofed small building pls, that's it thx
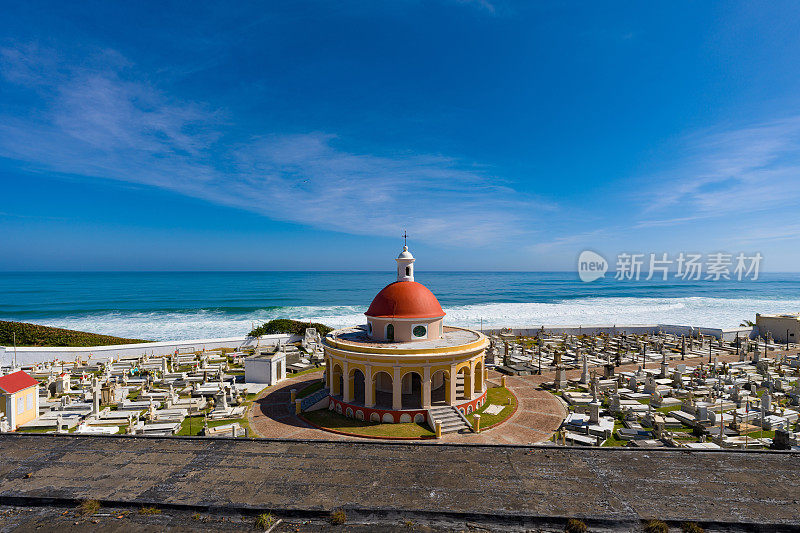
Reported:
(404, 364)
(19, 398)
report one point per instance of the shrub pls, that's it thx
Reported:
(338, 517)
(264, 521)
(656, 526)
(284, 325)
(89, 507)
(575, 526)
(692, 527)
(149, 510)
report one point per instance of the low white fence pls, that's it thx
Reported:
(28, 355)
(638, 329)
(31, 355)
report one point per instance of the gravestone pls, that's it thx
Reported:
(585, 372)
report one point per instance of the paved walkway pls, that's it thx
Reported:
(272, 416)
(539, 414)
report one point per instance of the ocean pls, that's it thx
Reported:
(181, 305)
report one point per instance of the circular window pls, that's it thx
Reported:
(420, 331)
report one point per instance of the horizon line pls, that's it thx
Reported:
(212, 271)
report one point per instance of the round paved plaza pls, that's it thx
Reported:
(538, 415)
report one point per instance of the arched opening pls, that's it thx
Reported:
(390, 332)
(440, 388)
(478, 379)
(408, 271)
(336, 381)
(411, 387)
(463, 384)
(358, 386)
(382, 383)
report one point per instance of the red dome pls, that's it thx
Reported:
(405, 299)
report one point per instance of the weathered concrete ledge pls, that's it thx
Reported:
(749, 489)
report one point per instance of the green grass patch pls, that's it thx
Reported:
(27, 334)
(311, 389)
(306, 371)
(495, 396)
(35, 430)
(613, 440)
(668, 409)
(761, 434)
(330, 420)
(193, 425)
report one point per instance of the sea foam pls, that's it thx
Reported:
(695, 311)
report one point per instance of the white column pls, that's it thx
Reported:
(328, 373)
(347, 390)
(11, 411)
(397, 390)
(426, 388)
(369, 388)
(453, 379)
(471, 394)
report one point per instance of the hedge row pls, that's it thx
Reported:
(284, 325)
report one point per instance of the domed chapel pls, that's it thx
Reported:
(404, 360)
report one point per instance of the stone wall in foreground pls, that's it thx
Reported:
(531, 485)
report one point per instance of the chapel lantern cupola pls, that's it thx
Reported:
(405, 265)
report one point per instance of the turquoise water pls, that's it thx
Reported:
(170, 305)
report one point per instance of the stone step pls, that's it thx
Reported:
(446, 421)
(450, 421)
(449, 418)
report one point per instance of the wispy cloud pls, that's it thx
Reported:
(737, 171)
(482, 4)
(95, 120)
(571, 242)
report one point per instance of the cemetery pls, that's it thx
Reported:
(662, 389)
(633, 389)
(191, 392)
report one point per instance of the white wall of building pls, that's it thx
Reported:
(779, 326)
(268, 369)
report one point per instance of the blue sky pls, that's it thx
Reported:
(309, 135)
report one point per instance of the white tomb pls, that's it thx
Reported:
(268, 368)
